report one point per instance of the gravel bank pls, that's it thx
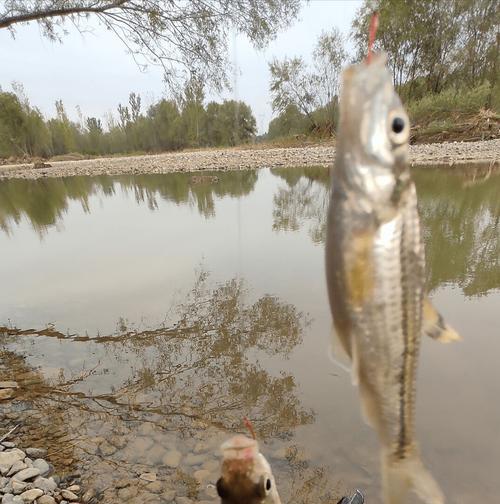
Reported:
(240, 159)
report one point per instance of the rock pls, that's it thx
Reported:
(46, 484)
(31, 495)
(192, 459)
(123, 483)
(155, 454)
(17, 466)
(8, 444)
(107, 449)
(7, 498)
(46, 499)
(3, 482)
(126, 494)
(172, 458)
(18, 487)
(139, 446)
(150, 476)
(211, 465)
(183, 500)
(8, 384)
(6, 394)
(89, 496)
(42, 466)
(155, 487)
(74, 488)
(28, 462)
(211, 491)
(201, 446)
(36, 452)
(68, 495)
(26, 474)
(118, 441)
(201, 475)
(7, 460)
(168, 495)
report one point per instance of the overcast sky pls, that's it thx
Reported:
(95, 72)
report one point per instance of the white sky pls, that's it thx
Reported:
(95, 72)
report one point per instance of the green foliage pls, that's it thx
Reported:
(312, 91)
(290, 122)
(431, 45)
(448, 102)
(166, 125)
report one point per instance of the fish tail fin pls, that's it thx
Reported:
(435, 326)
(404, 475)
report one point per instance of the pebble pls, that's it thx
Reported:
(183, 500)
(7, 460)
(150, 476)
(46, 484)
(8, 384)
(18, 486)
(36, 452)
(89, 496)
(154, 487)
(46, 499)
(127, 493)
(172, 458)
(68, 495)
(107, 449)
(26, 474)
(31, 495)
(74, 488)
(122, 483)
(201, 475)
(11, 499)
(8, 444)
(17, 466)
(192, 459)
(42, 466)
(168, 495)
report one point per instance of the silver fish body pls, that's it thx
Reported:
(375, 271)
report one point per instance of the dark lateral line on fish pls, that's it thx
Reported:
(403, 434)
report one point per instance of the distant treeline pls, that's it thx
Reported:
(169, 124)
(443, 56)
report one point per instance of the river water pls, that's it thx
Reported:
(144, 316)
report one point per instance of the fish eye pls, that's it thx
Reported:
(398, 127)
(398, 124)
(268, 484)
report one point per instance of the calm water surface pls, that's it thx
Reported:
(149, 314)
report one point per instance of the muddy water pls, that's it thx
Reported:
(145, 316)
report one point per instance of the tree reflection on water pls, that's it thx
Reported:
(203, 364)
(195, 377)
(460, 213)
(44, 202)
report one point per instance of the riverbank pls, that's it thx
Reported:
(240, 159)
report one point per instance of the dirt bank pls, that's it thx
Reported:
(240, 159)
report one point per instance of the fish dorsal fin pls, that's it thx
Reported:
(435, 326)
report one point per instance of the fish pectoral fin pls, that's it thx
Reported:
(435, 326)
(337, 350)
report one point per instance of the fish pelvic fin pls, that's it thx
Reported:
(435, 326)
(400, 476)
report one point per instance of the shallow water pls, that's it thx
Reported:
(147, 315)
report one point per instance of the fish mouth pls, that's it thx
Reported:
(239, 448)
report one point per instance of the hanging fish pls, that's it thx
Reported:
(375, 271)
